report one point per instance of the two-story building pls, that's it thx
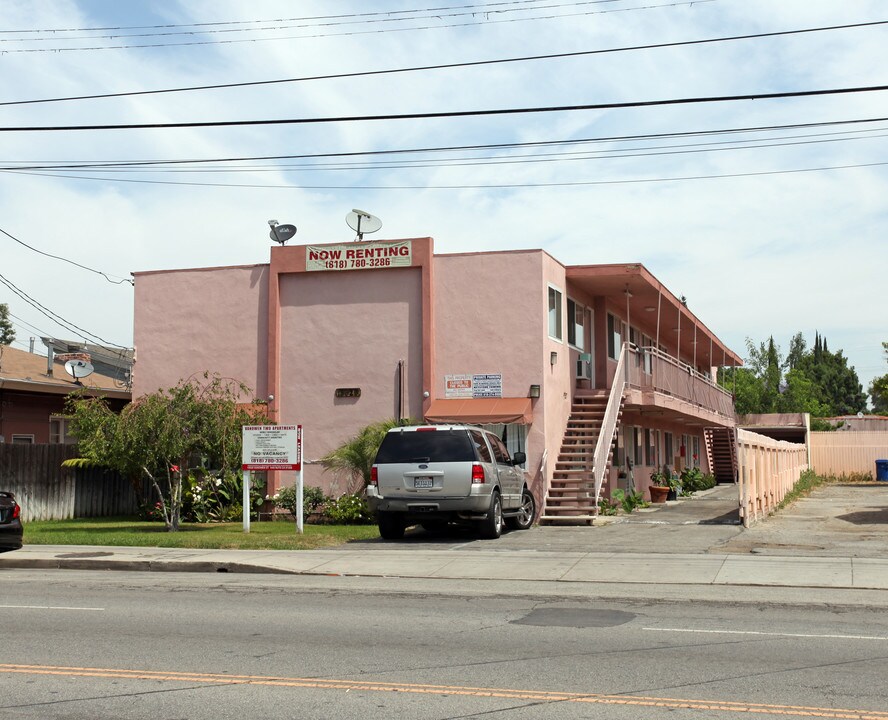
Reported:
(564, 362)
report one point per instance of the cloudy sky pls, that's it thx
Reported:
(765, 232)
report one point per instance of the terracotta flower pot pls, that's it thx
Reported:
(658, 493)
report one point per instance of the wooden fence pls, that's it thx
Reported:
(768, 470)
(47, 491)
(843, 453)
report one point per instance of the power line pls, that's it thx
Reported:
(356, 32)
(451, 114)
(422, 68)
(55, 317)
(491, 160)
(71, 262)
(36, 165)
(485, 6)
(329, 21)
(490, 186)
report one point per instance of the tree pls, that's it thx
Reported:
(7, 332)
(817, 381)
(165, 435)
(355, 456)
(878, 389)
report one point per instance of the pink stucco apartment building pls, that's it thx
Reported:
(564, 362)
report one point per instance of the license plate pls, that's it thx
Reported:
(423, 482)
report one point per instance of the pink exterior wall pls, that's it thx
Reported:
(347, 330)
(191, 321)
(490, 319)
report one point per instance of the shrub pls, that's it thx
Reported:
(628, 500)
(693, 479)
(218, 497)
(313, 500)
(348, 509)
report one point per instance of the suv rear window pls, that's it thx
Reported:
(429, 446)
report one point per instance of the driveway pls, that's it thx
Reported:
(834, 520)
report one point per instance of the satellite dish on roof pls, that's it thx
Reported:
(281, 233)
(362, 222)
(78, 369)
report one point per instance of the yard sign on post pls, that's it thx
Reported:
(272, 447)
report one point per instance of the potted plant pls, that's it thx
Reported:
(660, 486)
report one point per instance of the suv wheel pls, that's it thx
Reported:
(391, 526)
(492, 525)
(524, 518)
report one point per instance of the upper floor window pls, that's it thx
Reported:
(555, 313)
(576, 331)
(614, 336)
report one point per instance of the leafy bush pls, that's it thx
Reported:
(348, 509)
(313, 500)
(628, 500)
(693, 479)
(218, 497)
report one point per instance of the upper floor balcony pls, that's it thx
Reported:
(658, 382)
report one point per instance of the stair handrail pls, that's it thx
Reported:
(609, 423)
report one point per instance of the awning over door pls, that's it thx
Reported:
(481, 411)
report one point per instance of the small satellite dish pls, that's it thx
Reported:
(78, 369)
(281, 233)
(362, 222)
(859, 414)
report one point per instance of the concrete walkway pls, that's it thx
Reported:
(530, 565)
(835, 538)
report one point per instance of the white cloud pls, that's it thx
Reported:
(771, 254)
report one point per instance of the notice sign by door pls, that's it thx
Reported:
(272, 447)
(484, 385)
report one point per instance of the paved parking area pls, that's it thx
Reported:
(835, 520)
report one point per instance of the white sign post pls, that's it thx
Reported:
(272, 447)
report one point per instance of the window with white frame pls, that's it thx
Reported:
(576, 331)
(22, 439)
(614, 336)
(555, 300)
(59, 431)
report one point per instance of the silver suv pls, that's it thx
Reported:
(435, 474)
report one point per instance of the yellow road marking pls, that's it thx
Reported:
(460, 690)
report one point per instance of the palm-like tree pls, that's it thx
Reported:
(355, 456)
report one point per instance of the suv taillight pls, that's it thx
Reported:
(374, 476)
(16, 511)
(477, 474)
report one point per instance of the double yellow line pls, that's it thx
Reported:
(459, 690)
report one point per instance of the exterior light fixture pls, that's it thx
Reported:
(534, 391)
(553, 357)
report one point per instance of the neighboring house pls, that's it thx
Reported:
(33, 389)
(338, 336)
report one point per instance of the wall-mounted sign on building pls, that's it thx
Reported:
(359, 256)
(483, 385)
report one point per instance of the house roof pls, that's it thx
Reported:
(27, 372)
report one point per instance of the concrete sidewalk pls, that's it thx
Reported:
(529, 565)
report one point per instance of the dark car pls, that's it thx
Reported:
(10, 522)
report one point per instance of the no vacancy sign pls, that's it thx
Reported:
(272, 447)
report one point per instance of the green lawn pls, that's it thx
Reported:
(277, 535)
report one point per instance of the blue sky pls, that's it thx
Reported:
(764, 252)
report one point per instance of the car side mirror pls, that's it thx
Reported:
(519, 458)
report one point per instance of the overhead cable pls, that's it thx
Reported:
(46, 165)
(445, 66)
(55, 317)
(71, 262)
(450, 114)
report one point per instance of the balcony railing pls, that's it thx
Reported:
(650, 369)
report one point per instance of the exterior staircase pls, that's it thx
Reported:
(570, 498)
(721, 451)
